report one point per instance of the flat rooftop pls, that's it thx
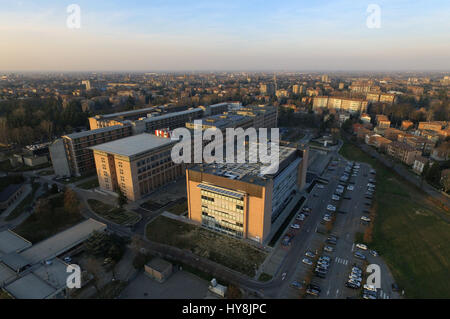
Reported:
(11, 242)
(169, 115)
(30, 287)
(133, 145)
(126, 113)
(61, 242)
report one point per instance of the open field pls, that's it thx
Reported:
(230, 252)
(411, 232)
(116, 215)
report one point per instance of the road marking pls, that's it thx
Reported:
(328, 292)
(337, 292)
(353, 247)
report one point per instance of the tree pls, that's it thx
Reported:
(233, 292)
(122, 200)
(445, 180)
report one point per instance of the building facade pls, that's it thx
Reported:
(136, 165)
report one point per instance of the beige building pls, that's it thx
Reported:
(403, 152)
(237, 200)
(340, 103)
(136, 165)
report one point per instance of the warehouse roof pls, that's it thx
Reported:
(11, 242)
(133, 145)
(62, 242)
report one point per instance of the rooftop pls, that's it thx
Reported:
(159, 264)
(248, 172)
(30, 287)
(11, 242)
(133, 145)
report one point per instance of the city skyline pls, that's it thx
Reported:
(232, 36)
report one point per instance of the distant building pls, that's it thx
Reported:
(419, 164)
(87, 84)
(10, 195)
(442, 152)
(406, 125)
(339, 103)
(365, 118)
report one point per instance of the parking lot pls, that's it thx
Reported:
(332, 261)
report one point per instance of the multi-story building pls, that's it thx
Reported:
(419, 164)
(71, 155)
(381, 97)
(136, 165)
(406, 125)
(267, 89)
(339, 103)
(403, 152)
(238, 200)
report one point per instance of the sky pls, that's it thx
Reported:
(229, 35)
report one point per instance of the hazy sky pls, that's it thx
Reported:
(156, 35)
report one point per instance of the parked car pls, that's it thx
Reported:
(365, 219)
(359, 255)
(361, 246)
(295, 226)
(328, 249)
(307, 261)
(373, 253)
(296, 285)
(310, 254)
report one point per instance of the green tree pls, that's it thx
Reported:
(433, 175)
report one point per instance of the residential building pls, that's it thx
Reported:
(339, 103)
(442, 152)
(365, 118)
(406, 125)
(136, 165)
(378, 141)
(71, 155)
(419, 164)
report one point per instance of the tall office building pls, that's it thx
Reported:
(136, 165)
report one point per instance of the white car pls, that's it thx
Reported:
(350, 187)
(307, 261)
(327, 218)
(331, 208)
(301, 217)
(335, 197)
(295, 226)
(361, 246)
(365, 219)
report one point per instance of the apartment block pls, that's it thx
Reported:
(237, 200)
(136, 165)
(339, 103)
(71, 155)
(403, 152)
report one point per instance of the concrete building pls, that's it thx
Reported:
(403, 152)
(419, 164)
(33, 271)
(71, 155)
(135, 165)
(237, 200)
(158, 269)
(340, 103)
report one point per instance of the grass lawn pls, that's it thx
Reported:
(178, 209)
(230, 252)
(410, 232)
(92, 183)
(48, 222)
(116, 215)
